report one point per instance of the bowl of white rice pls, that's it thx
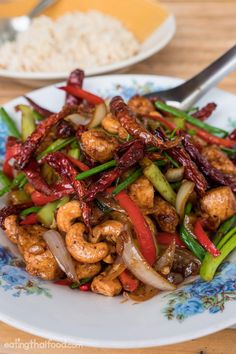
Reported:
(98, 37)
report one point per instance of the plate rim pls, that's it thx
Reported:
(120, 344)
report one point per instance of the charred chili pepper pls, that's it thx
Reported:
(45, 113)
(127, 119)
(134, 154)
(33, 141)
(205, 112)
(207, 169)
(63, 166)
(191, 171)
(76, 79)
(11, 210)
(232, 135)
(32, 172)
(82, 166)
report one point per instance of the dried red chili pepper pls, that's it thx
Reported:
(134, 128)
(191, 171)
(12, 210)
(64, 130)
(205, 112)
(64, 168)
(232, 135)
(42, 111)
(210, 172)
(75, 78)
(33, 141)
(32, 172)
(134, 153)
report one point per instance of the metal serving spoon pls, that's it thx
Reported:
(188, 93)
(10, 27)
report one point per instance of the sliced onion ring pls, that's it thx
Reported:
(98, 115)
(57, 246)
(183, 194)
(135, 262)
(78, 119)
(175, 174)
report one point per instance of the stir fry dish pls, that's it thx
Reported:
(118, 198)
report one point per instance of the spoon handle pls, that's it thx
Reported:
(41, 5)
(199, 85)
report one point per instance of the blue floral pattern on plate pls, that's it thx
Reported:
(14, 278)
(201, 296)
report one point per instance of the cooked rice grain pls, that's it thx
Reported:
(77, 39)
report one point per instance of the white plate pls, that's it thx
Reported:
(58, 313)
(150, 21)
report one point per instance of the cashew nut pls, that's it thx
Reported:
(85, 270)
(82, 250)
(108, 230)
(67, 214)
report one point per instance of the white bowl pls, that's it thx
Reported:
(151, 22)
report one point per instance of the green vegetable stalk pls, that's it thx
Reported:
(210, 264)
(56, 146)
(224, 228)
(9, 122)
(27, 121)
(156, 177)
(198, 123)
(129, 180)
(74, 150)
(46, 213)
(95, 170)
(4, 180)
(188, 238)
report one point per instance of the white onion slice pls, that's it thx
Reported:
(141, 269)
(58, 248)
(175, 174)
(78, 119)
(98, 115)
(183, 194)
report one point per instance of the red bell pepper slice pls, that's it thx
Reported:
(166, 238)
(80, 93)
(128, 281)
(167, 123)
(204, 240)
(85, 287)
(30, 219)
(143, 232)
(78, 164)
(212, 139)
(12, 149)
(42, 199)
(64, 282)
